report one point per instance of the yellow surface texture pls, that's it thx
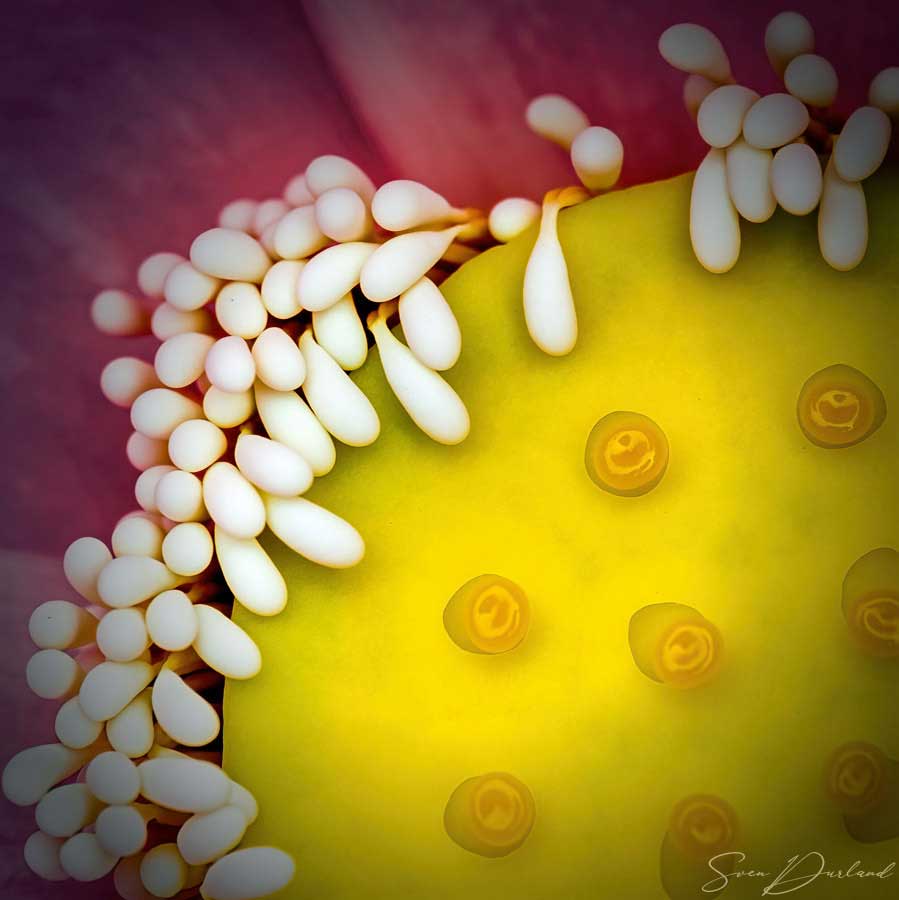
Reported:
(366, 716)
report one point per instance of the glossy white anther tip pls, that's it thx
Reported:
(695, 49)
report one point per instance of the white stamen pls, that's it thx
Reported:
(73, 728)
(113, 778)
(714, 225)
(511, 217)
(230, 366)
(332, 274)
(842, 221)
(123, 380)
(143, 453)
(884, 91)
(279, 288)
(187, 289)
(250, 574)
(244, 801)
(314, 532)
(429, 326)
(296, 193)
(129, 580)
(548, 302)
(796, 179)
(556, 118)
(748, 181)
(775, 120)
(403, 204)
(171, 619)
(863, 143)
(187, 549)
(195, 445)
(597, 155)
(206, 837)
(147, 482)
(430, 402)
(153, 271)
(342, 216)
(42, 856)
(32, 772)
(692, 48)
(183, 714)
(268, 212)
(288, 420)
(327, 172)
(335, 399)
(248, 873)
(233, 503)
(83, 561)
(812, 79)
(53, 675)
(279, 363)
(67, 809)
(179, 497)
(167, 321)
(297, 235)
(82, 857)
(164, 873)
(238, 214)
(339, 330)
(109, 687)
(230, 254)
(787, 36)
(180, 360)
(239, 310)
(122, 634)
(132, 731)
(122, 829)
(225, 647)
(272, 466)
(397, 264)
(228, 409)
(720, 117)
(184, 784)
(119, 314)
(158, 412)
(59, 624)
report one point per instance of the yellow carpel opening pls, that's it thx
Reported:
(626, 454)
(675, 644)
(491, 814)
(703, 825)
(488, 614)
(856, 776)
(871, 602)
(840, 406)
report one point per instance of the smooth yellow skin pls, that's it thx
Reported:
(489, 614)
(626, 454)
(365, 717)
(490, 815)
(840, 406)
(871, 601)
(675, 644)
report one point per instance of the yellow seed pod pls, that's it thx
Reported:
(840, 406)
(702, 825)
(856, 776)
(871, 601)
(489, 614)
(626, 454)
(675, 644)
(491, 814)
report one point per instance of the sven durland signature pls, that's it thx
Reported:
(799, 872)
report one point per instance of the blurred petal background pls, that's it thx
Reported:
(127, 126)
